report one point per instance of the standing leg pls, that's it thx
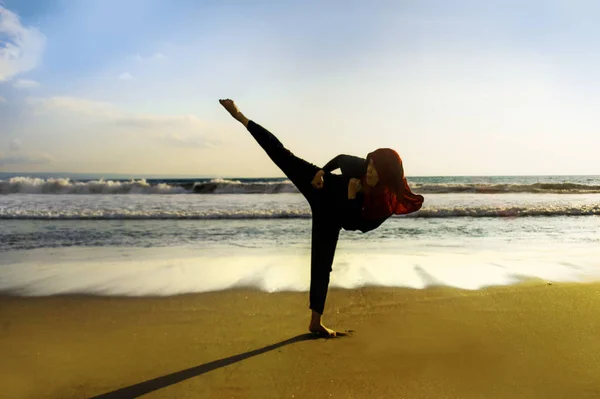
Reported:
(323, 243)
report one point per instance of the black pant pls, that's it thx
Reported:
(325, 223)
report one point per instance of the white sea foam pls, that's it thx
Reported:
(29, 185)
(479, 188)
(172, 272)
(278, 213)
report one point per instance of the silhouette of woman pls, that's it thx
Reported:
(366, 193)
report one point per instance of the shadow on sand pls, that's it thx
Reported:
(154, 384)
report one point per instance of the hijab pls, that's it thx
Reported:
(391, 195)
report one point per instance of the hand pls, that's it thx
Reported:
(317, 181)
(354, 186)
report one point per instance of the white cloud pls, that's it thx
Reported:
(177, 130)
(25, 84)
(24, 159)
(156, 121)
(21, 47)
(125, 76)
(74, 105)
(153, 57)
(178, 140)
(14, 145)
(2, 99)
(18, 157)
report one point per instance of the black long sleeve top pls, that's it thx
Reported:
(351, 209)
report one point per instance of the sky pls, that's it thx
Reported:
(457, 88)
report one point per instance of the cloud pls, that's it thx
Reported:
(18, 157)
(153, 57)
(21, 47)
(177, 140)
(73, 105)
(177, 130)
(14, 145)
(24, 159)
(156, 121)
(2, 99)
(25, 84)
(125, 76)
(110, 113)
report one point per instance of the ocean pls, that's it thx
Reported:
(138, 237)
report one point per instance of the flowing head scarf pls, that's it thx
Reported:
(391, 195)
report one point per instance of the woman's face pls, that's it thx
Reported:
(372, 177)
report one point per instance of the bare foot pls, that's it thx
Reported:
(230, 106)
(234, 111)
(321, 329)
(316, 325)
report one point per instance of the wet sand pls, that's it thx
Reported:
(528, 341)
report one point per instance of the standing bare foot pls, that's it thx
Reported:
(316, 326)
(321, 329)
(234, 111)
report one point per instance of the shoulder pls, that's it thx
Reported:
(352, 159)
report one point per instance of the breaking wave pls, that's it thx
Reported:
(29, 185)
(536, 188)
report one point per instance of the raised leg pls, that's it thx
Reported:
(299, 171)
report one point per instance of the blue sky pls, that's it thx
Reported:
(457, 88)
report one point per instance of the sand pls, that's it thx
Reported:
(528, 341)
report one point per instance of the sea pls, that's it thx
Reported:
(62, 234)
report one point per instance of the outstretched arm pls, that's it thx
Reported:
(234, 111)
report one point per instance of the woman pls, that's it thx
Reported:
(366, 193)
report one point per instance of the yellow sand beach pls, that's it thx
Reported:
(528, 341)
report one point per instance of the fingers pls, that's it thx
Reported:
(318, 181)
